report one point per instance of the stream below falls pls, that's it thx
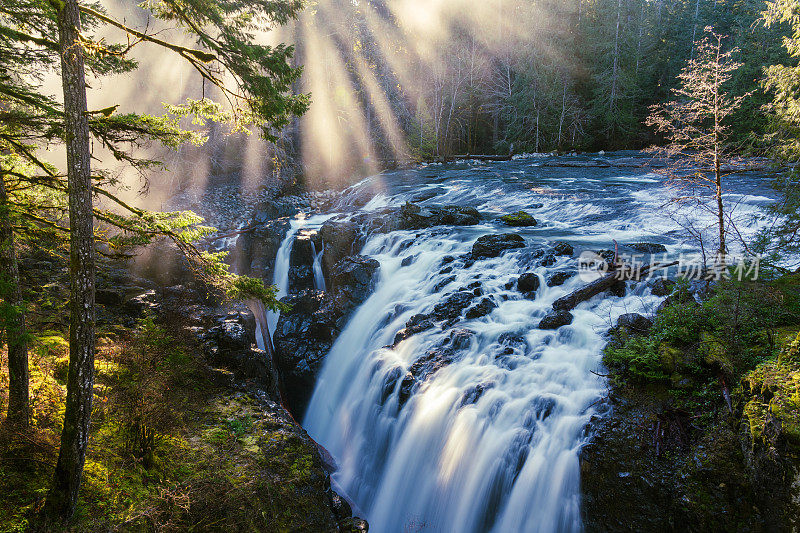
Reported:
(490, 440)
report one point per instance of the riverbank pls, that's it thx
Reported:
(703, 433)
(188, 430)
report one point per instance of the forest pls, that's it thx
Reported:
(295, 265)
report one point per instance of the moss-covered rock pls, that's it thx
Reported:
(518, 219)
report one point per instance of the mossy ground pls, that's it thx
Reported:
(169, 449)
(706, 418)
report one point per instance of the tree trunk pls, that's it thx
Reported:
(80, 381)
(615, 68)
(16, 334)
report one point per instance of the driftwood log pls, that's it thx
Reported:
(571, 300)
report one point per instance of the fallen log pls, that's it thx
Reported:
(571, 300)
(485, 157)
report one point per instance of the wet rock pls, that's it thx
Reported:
(452, 307)
(635, 323)
(416, 324)
(483, 308)
(340, 238)
(432, 361)
(619, 288)
(494, 245)
(528, 282)
(563, 248)
(661, 287)
(444, 283)
(413, 216)
(558, 278)
(647, 247)
(474, 393)
(354, 277)
(302, 338)
(556, 319)
(548, 260)
(519, 219)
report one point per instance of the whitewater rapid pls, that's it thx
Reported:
(490, 441)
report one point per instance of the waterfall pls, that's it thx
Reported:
(319, 279)
(280, 277)
(488, 439)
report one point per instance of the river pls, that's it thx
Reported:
(491, 440)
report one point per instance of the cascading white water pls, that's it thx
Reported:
(490, 440)
(280, 277)
(507, 461)
(319, 278)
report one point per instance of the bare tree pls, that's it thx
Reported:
(695, 130)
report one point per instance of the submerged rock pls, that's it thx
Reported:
(648, 247)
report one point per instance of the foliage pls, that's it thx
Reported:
(730, 333)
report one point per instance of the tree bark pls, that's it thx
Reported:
(16, 333)
(80, 381)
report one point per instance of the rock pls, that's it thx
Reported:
(648, 247)
(452, 307)
(618, 288)
(562, 248)
(354, 525)
(109, 297)
(340, 238)
(556, 319)
(494, 245)
(558, 278)
(302, 339)
(528, 282)
(661, 287)
(483, 308)
(432, 361)
(518, 219)
(413, 216)
(145, 303)
(548, 260)
(230, 344)
(416, 324)
(355, 277)
(635, 323)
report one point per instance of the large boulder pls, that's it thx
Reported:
(494, 245)
(230, 344)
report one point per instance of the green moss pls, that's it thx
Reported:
(520, 218)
